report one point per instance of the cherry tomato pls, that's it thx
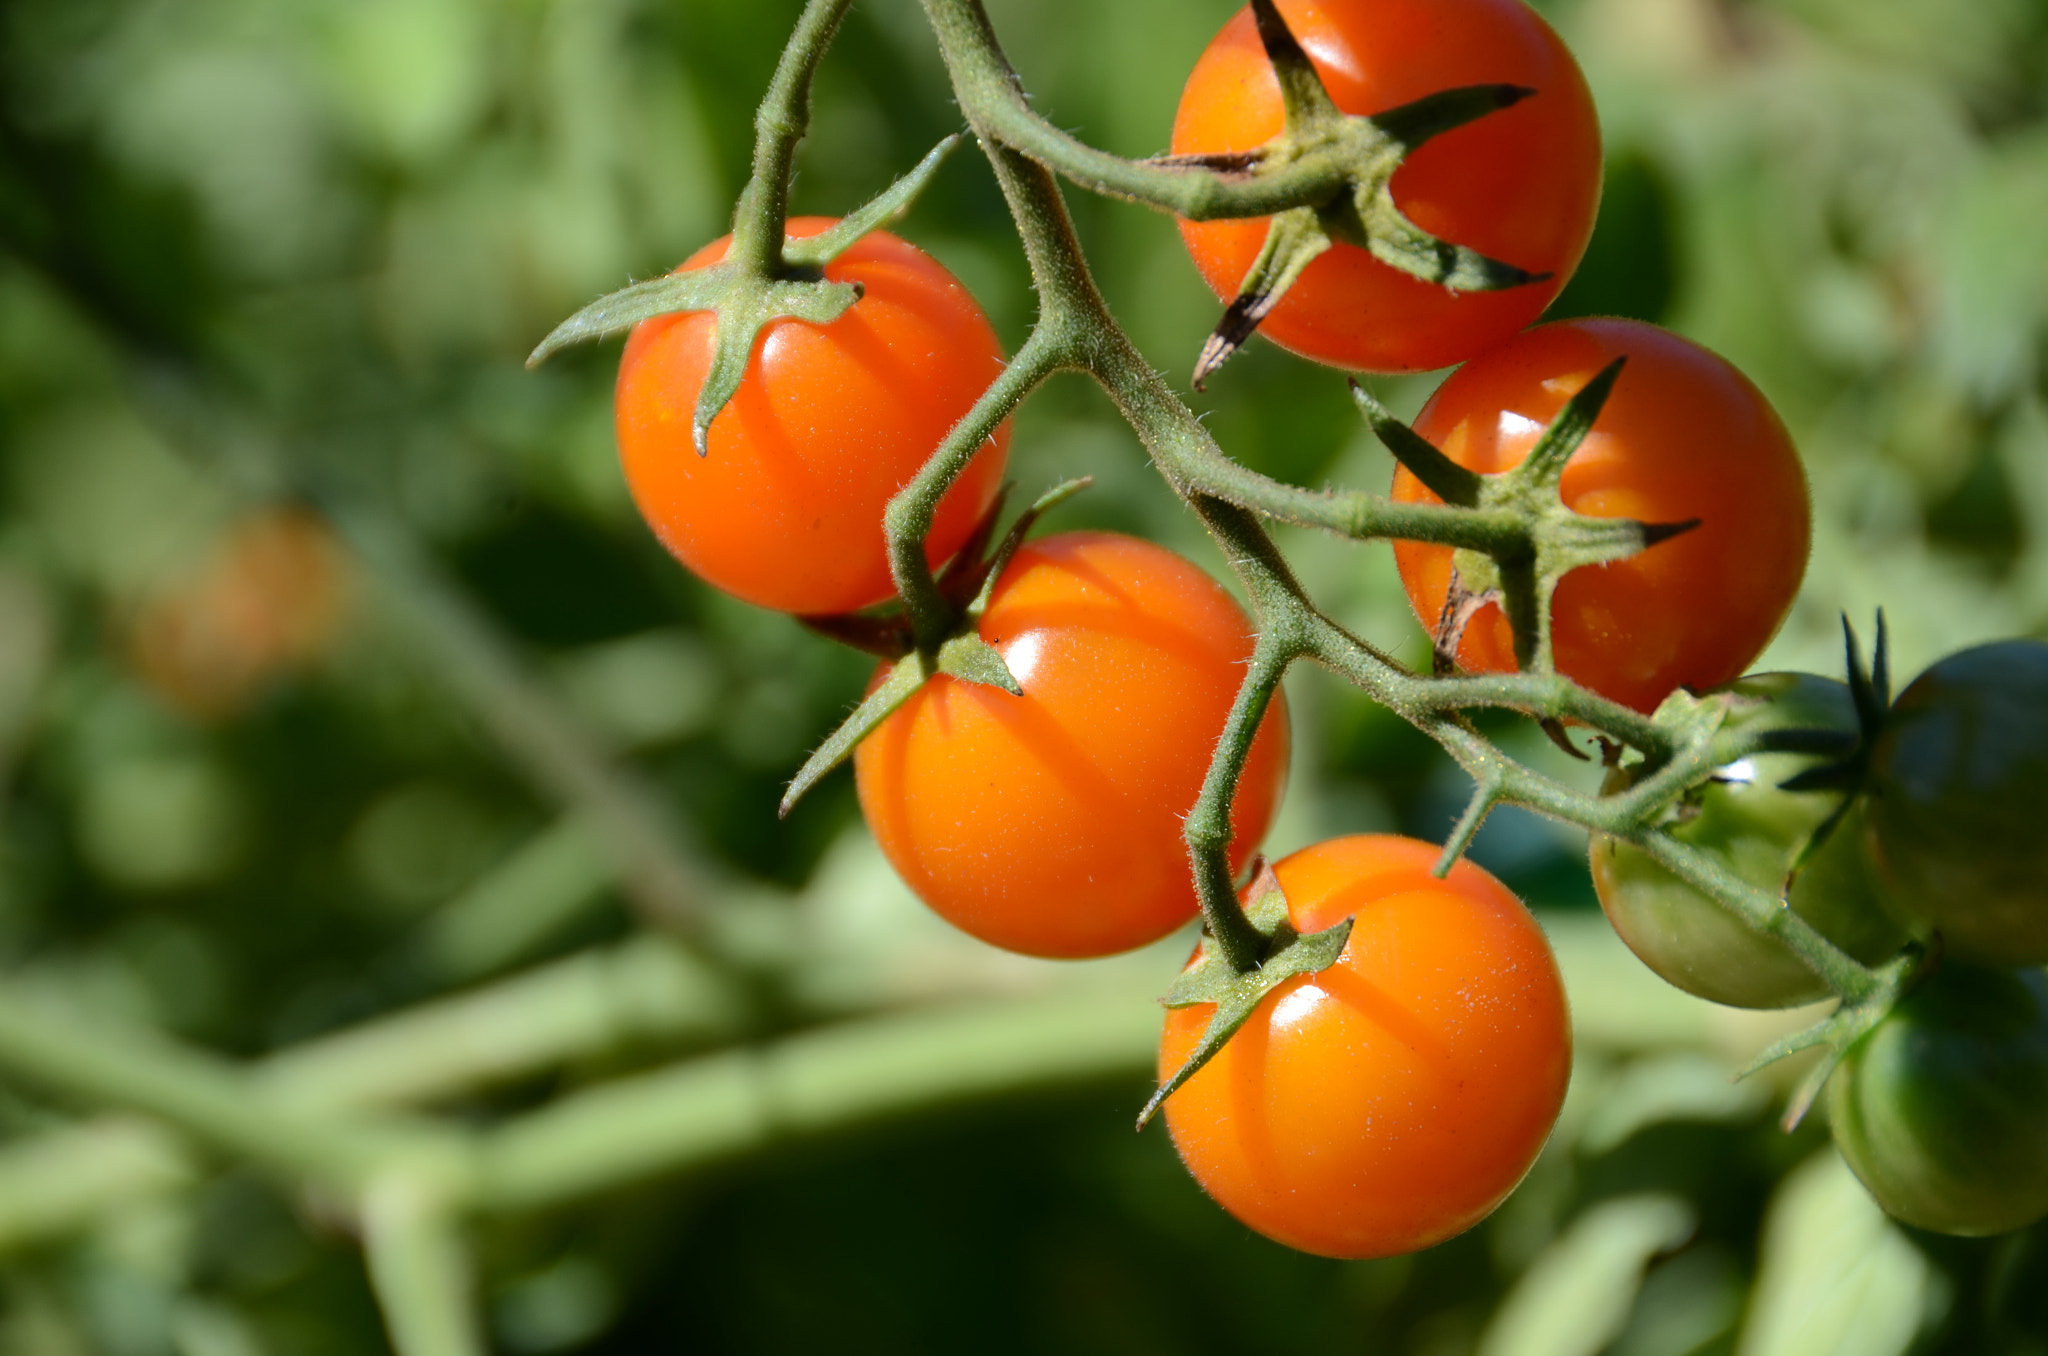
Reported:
(1758, 831)
(1051, 823)
(1683, 435)
(1394, 1099)
(829, 422)
(1942, 1109)
(269, 598)
(1958, 777)
(1520, 185)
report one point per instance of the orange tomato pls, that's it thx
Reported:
(829, 422)
(268, 598)
(1521, 185)
(1393, 1100)
(1051, 823)
(1683, 435)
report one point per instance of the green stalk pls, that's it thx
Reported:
(759, 218)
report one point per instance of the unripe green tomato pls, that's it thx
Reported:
(1958, 779)
(1758, 831)
(1942, 1109)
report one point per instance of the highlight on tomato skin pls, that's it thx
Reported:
(1684, 435)
(1393, 1100)
(1521, 185)
(1050, 823)
(785, 510)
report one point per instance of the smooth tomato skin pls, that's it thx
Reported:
(1051, 823)
(1521, 185)
(829, 422)
(1758, 830)
(1683, 435)
(1942, 1109)
(1395, 1099)
(1957, 779)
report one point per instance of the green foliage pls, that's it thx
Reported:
(257, 256)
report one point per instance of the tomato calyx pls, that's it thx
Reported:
(1367, 150)
(1236, 994)
(1855, 1018)
(1545, 540)
(748, 293)
(967, 583)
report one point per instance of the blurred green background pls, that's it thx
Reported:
(337, 674)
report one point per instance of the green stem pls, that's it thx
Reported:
(207, 1098)
(993, 99)
(1208, 830)
(759, 219)
(748, 1101)
(419, 1267)
(908, 519)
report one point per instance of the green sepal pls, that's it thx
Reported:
(699, 289)
(747, 300)
(904, 679)
(1302, 95)
(1559, 540)
(1210, 978)
(1840, 1029)
(1870, 688)
(973, 660)
(1432, 115)
(1362, 211)
(1444, 478)
(816, 251)
(965, 655)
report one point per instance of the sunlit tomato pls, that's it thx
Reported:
(829, 422)
(1520, 185)
(1959, 776)
(1051, 823)
(1683, 435)
(268, 598)
(1396, 1098)
(1942, 1110)
(1758, 831)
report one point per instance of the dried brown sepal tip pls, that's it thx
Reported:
(1210, 977)
(1362, 211)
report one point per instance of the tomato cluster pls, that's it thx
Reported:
(1390, 1097)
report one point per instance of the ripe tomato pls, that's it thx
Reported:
(1758, 831)
(1394, 1099)
(829, 422)
(1683, 435)
(1956, 783)
(1942, 1109)
(1520, 185)
(1051, 823)
(269, 598)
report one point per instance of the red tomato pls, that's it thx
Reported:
(1683, 435)
(1520, 185)
(828, 423)
(1394, 1099)
(1051, 823)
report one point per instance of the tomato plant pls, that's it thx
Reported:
(1520, 185)
(1683, 436)
(1759, 831)
(1051, 823)
(830, 421)
(1942, 1110)
(1956, 781)
(1394, 1099)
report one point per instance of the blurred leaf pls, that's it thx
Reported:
(1836, 1278)
(1575, 1297)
